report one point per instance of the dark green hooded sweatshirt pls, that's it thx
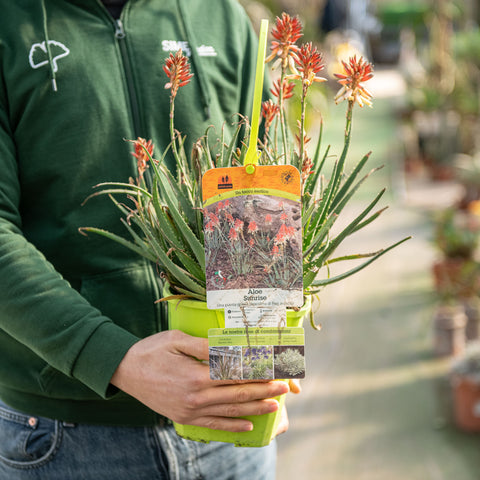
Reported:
(74, 84)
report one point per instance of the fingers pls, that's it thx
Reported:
(226, 416)
(239, 393)
(294, 386)
(223, 423)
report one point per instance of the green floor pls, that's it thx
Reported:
(375, 402)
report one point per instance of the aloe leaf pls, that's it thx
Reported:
(184, 199)
(190, 265)
(353, 256)
(231, 147)
(328, 281)
(129, 189)
(122, 241)
(320, 236)
(342, 202)
(313, 178)
(350, 179)
(346, 232)
(182, 226)
(332, 186)
(198, 296)
(159, 250)
(163, 221)
(369, 219)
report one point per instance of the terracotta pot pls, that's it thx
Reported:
(455, 276)
(466, 403)
(449, 330)
(472, 311)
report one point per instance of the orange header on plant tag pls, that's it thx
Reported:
(253, 238)
(276, 180)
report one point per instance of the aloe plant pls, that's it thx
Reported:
(164, 216)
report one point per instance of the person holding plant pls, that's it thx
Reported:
(89, 378)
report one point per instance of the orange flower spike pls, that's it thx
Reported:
(286, 88)
(357, 71)
(275, 251)
(238, 225)
(252, 227)
(269, 111)
(232, 235)
(309, 62)
(286, 32)
(141, 155)
(177, 69)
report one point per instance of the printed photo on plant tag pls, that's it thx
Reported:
(256, 354)
(253, 237)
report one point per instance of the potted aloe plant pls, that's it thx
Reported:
(166, 221)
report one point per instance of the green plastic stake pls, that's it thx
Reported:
(251, 157)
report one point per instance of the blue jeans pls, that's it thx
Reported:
(43, 449)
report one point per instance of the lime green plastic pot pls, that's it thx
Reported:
(193, 317)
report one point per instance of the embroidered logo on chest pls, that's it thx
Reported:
(38, 56)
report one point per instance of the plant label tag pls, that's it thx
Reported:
(253, 237)
(255, 317)
(256, 353)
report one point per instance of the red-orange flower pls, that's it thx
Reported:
(286, 32)
(269, 111)
(356, 72)
(275, 251)
(309, 62)
(286, 89)
(238, 225)
(141, 155)
(233, 235)
(252, 227)
(213, 218)
(229, 218)
(177, 69)
(307, 168)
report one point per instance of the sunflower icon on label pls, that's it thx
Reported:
(287, 176)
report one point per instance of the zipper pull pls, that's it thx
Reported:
(119, 31)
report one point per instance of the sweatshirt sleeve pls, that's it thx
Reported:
(38, 308)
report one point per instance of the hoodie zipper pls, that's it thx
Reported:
(127, 67)
(161, 316)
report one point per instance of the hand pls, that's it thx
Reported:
(162, 372)
(284, 422)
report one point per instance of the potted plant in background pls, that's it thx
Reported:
(456, 278)
(165, 219)
(465, 381)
